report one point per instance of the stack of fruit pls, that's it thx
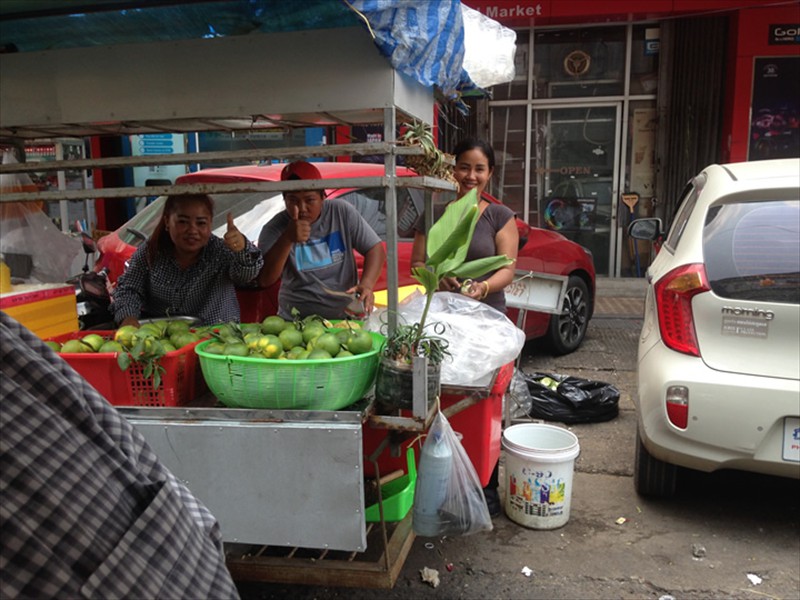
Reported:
(159, 338)
(303, 364)
(145, 345)
(311, 338)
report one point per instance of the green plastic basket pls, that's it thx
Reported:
(397, 495)
(251, 382)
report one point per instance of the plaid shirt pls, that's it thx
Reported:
(87, 509)
(205, 290)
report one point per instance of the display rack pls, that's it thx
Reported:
(280, 80)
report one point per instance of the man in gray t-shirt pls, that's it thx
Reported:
(309, 246)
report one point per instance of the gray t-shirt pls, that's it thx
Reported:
(325, 259)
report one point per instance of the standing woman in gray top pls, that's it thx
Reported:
(496, 231)
(185, 270)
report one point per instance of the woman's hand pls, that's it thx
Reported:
(130, 321)
(450, 284)
(234, 240)
(366, 296)
(477, 290)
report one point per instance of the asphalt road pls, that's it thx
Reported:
(725, 535)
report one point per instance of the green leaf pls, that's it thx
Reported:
(481, 266)
(138, 349)
(148, 370)
(157, 378)
(426, 277)
(450, 236)
(123, 361)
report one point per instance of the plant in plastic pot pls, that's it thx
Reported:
(446, 248)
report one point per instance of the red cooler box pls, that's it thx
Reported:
(480, 425)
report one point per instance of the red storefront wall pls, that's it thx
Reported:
(749, 38)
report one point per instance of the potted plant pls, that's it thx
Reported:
(446, 247)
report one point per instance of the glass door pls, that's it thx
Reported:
(574, 158)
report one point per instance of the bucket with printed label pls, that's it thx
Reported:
(539, 463)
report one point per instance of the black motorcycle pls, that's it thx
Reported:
(91, 292)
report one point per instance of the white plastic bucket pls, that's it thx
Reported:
(539, 462)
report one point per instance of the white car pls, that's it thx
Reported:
(719, 351)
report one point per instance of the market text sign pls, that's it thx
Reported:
(518, 11)
(508, 12)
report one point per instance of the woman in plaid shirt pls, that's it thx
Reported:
(185, 270)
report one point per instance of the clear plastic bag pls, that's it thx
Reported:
(489, 49)
(518, 396)
(448, 498)
(481, 338)
(35, 249)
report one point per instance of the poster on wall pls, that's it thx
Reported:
(775, 108)
(643, 142)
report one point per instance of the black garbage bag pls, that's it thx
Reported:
(569, 399)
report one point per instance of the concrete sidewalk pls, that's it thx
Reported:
(620, 296)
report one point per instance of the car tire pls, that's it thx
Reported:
(567, 330)
(651, 476)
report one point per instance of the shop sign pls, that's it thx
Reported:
(150, 144)
(514, 11)
(652, 41)
(518, 12)
(784, 34)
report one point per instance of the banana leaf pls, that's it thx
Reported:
(449, 237)
(427, 278)
(480, 266)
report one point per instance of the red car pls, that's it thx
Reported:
(540, 250)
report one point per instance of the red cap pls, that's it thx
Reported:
(300, 169)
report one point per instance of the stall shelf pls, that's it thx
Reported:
(292, 480)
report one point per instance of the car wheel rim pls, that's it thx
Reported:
(572, 322)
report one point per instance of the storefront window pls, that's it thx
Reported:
(572, 140)
(508, 141)
(644, 59)
(579, 62)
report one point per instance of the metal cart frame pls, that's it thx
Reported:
(292, 79)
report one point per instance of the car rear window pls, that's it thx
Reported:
(686, 205)
(752, 250)
(371, 204)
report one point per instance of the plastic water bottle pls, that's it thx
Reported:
(5, 277)
(433, 477)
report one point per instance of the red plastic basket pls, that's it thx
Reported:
(180, 382)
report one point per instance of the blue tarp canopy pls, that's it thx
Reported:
(423, 39)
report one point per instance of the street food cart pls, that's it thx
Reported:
(288, 487)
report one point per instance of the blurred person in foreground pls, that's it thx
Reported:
(87, 510)
(309, 247)
(185, 270)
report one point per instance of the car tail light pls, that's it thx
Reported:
(677, 401)
(674, 293)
